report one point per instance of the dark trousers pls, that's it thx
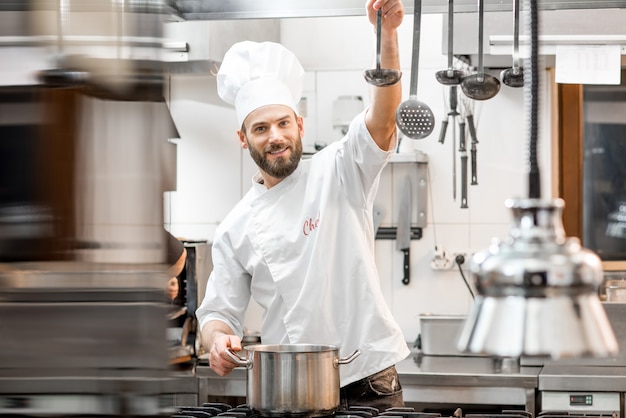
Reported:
(381, 390)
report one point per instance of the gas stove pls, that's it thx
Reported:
(223, 410)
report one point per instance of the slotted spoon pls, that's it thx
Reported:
(414, 118)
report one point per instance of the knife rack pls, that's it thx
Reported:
(414, 164)
(392, 231)
(419, 179)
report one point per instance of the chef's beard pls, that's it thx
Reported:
(279, 167)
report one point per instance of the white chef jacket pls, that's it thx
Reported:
(304, 250)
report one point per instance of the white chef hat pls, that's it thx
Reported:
(255, 74)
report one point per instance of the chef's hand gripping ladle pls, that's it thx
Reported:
(381, 77)
(414, 118)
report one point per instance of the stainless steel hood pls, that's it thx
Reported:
(556, 27)
(260, 9)
(257, 9)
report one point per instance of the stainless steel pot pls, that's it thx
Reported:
(292, 379)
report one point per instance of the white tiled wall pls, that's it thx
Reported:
(213, 172)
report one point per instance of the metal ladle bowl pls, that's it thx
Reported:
(513, 77)
(450, 77)
(381, 77)
(480, 86)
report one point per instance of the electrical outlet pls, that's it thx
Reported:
(441, 261)
(465, 256)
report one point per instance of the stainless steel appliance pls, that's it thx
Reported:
(222, 409)
(80, 340)
(429, 383)
(580, 403)
(586, 386)
(84, 155)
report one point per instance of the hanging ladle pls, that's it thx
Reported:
(480, 86)
(414, 118)
(451, 76)
(514, 76)
(381, 77)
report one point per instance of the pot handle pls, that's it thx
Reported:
(240, 361)
(348, 359)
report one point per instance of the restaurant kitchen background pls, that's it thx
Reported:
(214, 173)
(89, 181)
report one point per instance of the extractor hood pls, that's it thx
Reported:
(556, 27)
(206, 42)
(259, 9)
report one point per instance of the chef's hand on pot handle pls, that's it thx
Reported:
(219, 361)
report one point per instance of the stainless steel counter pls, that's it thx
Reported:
(468, 380)
(212, 385)
(84, 392)
(582, 378)
(425, 380)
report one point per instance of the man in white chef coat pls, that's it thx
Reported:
(301, 241)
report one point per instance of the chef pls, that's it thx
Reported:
(301, 241)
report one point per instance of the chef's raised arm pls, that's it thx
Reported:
(380, 117)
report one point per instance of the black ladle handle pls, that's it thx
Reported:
(464, 180)
(474, 181)
(515, 36)
(472, 132)
(463, 153)
(444, 128)
(450, 32)
(415, 59)
(462, 147)
(472, 128)
(481, 17)
(454, 100)
(379, 24)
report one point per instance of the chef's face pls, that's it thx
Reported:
(274, 136)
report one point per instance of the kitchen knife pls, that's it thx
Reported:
(403, 229)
